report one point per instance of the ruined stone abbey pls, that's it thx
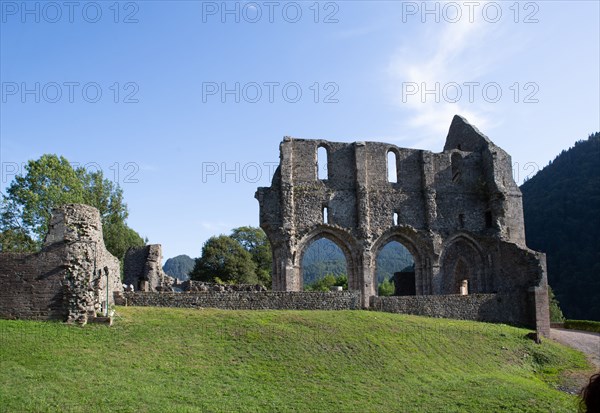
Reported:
(458, 212)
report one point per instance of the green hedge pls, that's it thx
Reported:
(584, 325)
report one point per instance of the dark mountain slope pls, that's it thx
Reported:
(561, 204)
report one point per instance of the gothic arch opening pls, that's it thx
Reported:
(323, 262)
(395, 270)
(462, 268)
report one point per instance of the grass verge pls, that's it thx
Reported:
(184, 360)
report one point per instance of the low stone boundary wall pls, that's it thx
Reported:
(498, 308)
(477, 307)
(245, 300)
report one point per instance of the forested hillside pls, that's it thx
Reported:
(561, 204)
(179, 267)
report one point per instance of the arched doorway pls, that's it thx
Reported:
(462, 269)
(323, 265)
(395, 270)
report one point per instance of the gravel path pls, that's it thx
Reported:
(587, 342)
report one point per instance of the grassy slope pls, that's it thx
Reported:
(211, 360)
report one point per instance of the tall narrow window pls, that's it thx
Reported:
(489, 223)
(395, 218)
(392, 167)
(456, 161)
(322, 172)
(325, 215)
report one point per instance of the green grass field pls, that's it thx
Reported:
(183, 360)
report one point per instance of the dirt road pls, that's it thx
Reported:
(588, 343)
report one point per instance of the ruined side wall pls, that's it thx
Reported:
(133, 266)
(244, 300)
(142, 268)
(31, 285)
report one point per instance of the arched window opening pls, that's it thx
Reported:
(324, 266)
(456, 161)
(392, 167)
(395, 219)
(322, 170)
(395, 271)
(325, 215)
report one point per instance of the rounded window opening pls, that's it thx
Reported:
(324, 267)
(395, 273)
(392, 167)
(322, 170)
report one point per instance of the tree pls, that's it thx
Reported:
(50, 182)
(254, 240)
(225, 259)
(329, 280)
(16, 240)
(561, 209)
(386, 288)
(556, 315)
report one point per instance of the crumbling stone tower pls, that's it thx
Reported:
(458, 212)
(70, 279)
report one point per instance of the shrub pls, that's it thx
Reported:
(585, 325)
(556, 315)
(386, 288)
(328, 281)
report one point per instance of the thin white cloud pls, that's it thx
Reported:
(438, 55)
(215, 227)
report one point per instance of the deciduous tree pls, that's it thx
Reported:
(50, 182)
(224, 258)
(255, 241)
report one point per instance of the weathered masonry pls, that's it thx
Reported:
(70, 279)
(142, 268)
(458, 212)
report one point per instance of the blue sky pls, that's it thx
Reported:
(184, 103)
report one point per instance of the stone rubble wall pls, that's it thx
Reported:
(245, 300)
(495, 308)
(31, 285)
(201, 286)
